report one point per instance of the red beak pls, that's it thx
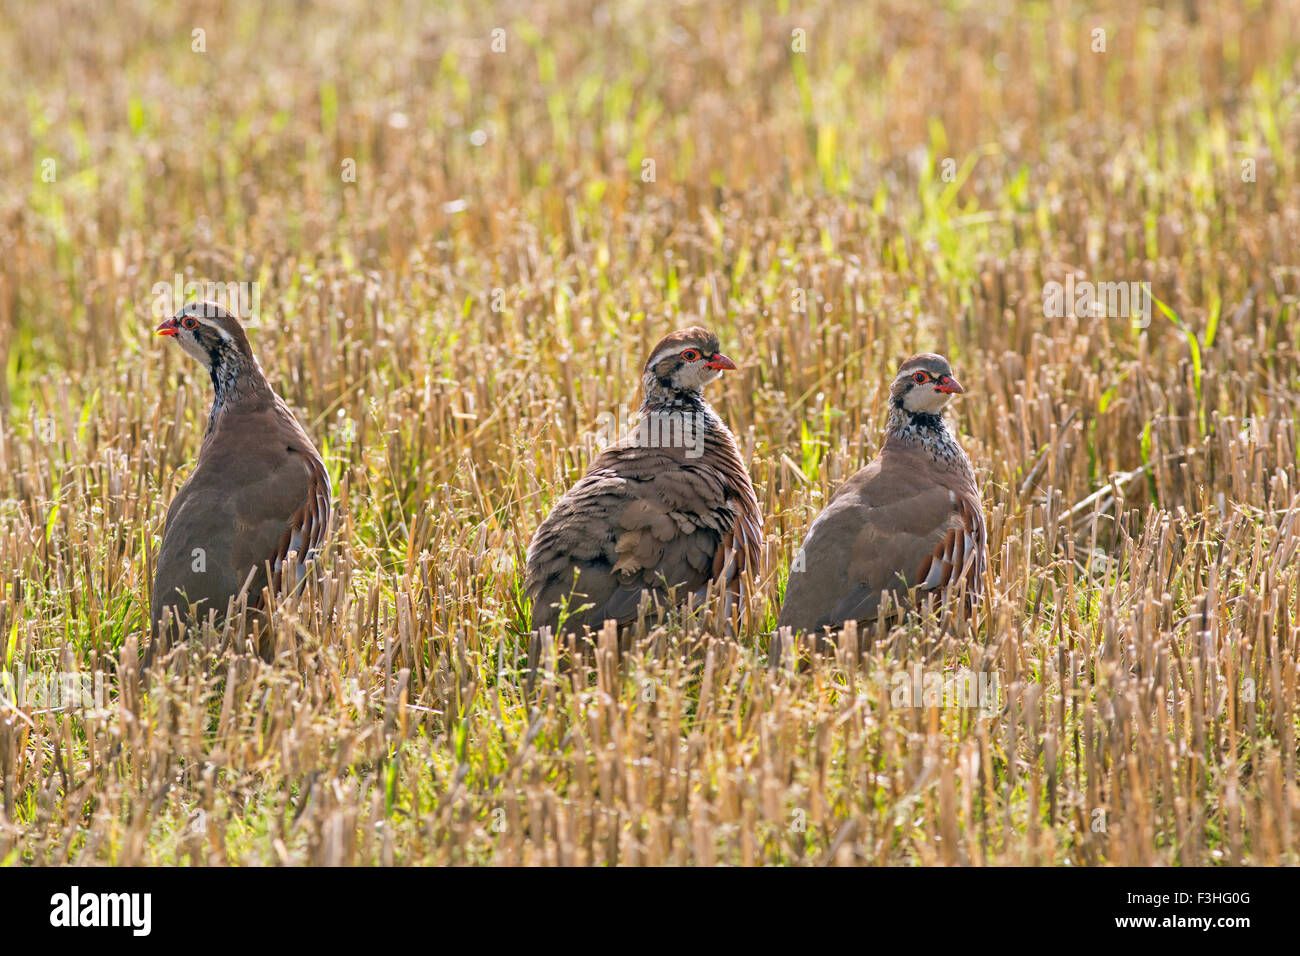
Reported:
(950, 385)
(167, 327)
(721, 363)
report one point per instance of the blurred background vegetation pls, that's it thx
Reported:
(540, 192)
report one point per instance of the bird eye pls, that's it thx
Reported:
(190, 322)
(690, 355)
(919, 378)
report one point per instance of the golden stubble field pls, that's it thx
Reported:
(463, 242)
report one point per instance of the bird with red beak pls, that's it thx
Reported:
(924, 385)
(671, 521)
(681, 365)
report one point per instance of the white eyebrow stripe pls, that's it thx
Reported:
(212, 325)
(660, 356)
(673, 350)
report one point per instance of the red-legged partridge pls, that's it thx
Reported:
(668, 508)
(259, 492)
(910, 519)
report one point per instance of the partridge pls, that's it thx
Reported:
(667, 509)
(258, 493)
(910, 519)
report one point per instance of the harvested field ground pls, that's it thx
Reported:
(464, 242)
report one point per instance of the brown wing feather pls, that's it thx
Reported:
(305, 534)
(258, 492)
(644, 520)
(897, 524)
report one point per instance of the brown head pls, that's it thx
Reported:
(215, 338)
(205, 330)
(684, 362)
(924, 384)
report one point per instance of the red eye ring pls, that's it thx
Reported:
(919, 378)
(690, 355)
(190, 322)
